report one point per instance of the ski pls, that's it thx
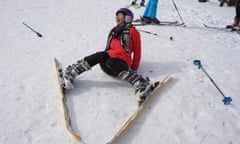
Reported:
(221, 28)
(217, 28)
(138, 22)
(155, 91)
(58, 71)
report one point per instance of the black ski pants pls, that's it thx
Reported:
(238, 9)
(111, 66)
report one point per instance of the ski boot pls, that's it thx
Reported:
(146, 20)
(155, 21)
(236, 28)
(142, 86)
(72, 71)
(149, 20)
(235, 24)
(134, 2)
(142, 4)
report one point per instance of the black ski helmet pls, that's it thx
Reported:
(128, 14)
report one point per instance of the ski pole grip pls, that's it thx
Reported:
(197, 63)
(227, 100)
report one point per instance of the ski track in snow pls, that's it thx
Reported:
(189, 109)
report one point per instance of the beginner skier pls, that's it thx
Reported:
(235, 26)
(120, 58)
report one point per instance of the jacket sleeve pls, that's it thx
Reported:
(136, 47)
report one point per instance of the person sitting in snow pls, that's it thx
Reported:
(134, 2)
(150, 12)
(120, 58)
(235, 26)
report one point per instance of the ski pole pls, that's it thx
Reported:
(38, 34)
(226, 100)
(148, 32)
(155, 34)
(177, 11)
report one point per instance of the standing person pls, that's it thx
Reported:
(134, 2)
(235, 25)
(120, 59)
(150, 12)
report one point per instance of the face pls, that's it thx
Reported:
(120, 18)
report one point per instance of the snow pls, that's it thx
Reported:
(189, 109)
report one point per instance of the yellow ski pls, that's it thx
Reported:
(64, 102)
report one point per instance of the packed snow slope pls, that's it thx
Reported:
(189, 109)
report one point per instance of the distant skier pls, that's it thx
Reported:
(134, 2)
(120, 59)
(235, 26)
(150, 12)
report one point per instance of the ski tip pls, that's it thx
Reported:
(77, 137)
(55, 59)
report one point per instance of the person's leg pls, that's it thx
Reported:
(96, 58)
(81, 66)
(237, 18)
(114, 66)
(238, 9)
(235, 25)
(118, 68)
(142, 3)
(134, 2)
(151, 9)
